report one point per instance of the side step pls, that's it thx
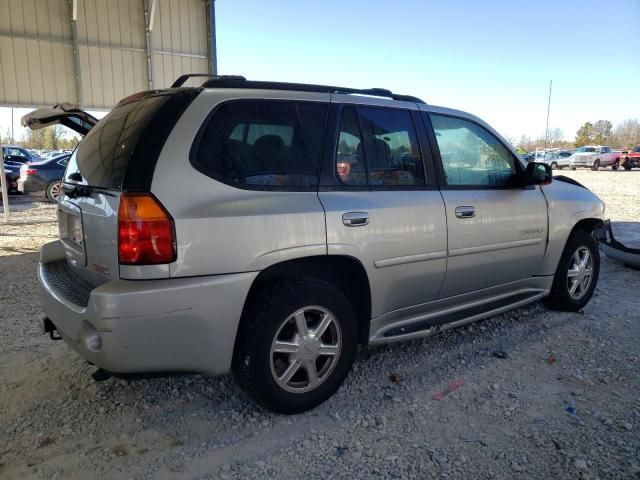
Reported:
(451, 318)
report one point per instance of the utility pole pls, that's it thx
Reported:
(546, 131)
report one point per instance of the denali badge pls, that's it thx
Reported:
(101, 269)
(531, 231)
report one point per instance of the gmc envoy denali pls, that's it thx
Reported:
(269, 228)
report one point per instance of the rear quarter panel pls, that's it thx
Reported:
(568, 204)
(223, 229)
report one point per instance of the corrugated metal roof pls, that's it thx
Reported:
(37, 55)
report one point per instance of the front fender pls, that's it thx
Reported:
(568, 205)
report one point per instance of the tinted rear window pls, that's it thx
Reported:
(271, 144)
(104, 154)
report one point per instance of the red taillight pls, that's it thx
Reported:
(146, 234)
(343, 168)
(28, 171)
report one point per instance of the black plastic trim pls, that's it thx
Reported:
(239, 82)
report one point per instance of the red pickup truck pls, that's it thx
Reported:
(631, 159)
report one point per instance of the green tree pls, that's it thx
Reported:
(602, 132)
(584, 135)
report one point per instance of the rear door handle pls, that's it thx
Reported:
(465, 212)
(355, 219)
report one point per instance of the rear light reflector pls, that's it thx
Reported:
(28, 171)
(146, 232)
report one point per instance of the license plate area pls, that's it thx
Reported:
(71, 233)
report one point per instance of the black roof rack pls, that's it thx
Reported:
(233, 81)
(183, 78)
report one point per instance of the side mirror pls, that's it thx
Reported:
(537, 173)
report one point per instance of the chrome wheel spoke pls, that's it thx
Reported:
(312, 373)
(301, 323)
(329, 350)
(324, 324)
(291, 370)
(576, 258)
(585, 259)
(573, 287)
(573, 272)
(285, 347)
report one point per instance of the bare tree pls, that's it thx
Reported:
(554, 137)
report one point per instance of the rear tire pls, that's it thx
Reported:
(596, 166)
(273, 319)
(53, 190)
(554, 166)
(564, 295)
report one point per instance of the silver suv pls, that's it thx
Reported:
(269, 228)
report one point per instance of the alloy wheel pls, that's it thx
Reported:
(305, 349)
(580, 273)
(54, 191)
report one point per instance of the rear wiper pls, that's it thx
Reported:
(75, 190)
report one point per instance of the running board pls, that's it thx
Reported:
(447, 319)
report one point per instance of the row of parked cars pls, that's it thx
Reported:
(589, 156)
(27, 172)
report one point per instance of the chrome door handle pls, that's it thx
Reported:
(465, 212)
(355, 219)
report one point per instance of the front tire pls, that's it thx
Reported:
(596, 166)
(296, 344)
(554, 166)
(615, 165)
(577, 273)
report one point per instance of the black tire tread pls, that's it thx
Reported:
(559, 298)
(251, 333)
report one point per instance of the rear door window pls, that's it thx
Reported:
(263, 144)
(381, 149)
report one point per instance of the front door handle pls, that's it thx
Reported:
(355, 219)
(465, 212)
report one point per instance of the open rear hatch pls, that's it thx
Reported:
(65, 114)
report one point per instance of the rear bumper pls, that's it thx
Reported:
(26, 185)
(179, 324)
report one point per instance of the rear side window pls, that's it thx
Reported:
(263, 144)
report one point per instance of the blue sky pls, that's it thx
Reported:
(493, 58)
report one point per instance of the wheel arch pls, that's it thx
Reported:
(588, 225)
(345, 272)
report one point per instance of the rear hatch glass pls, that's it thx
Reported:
(103, 156)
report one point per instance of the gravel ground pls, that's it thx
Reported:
(560, 399)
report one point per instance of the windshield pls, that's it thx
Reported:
(586, 149)
(636, 150)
